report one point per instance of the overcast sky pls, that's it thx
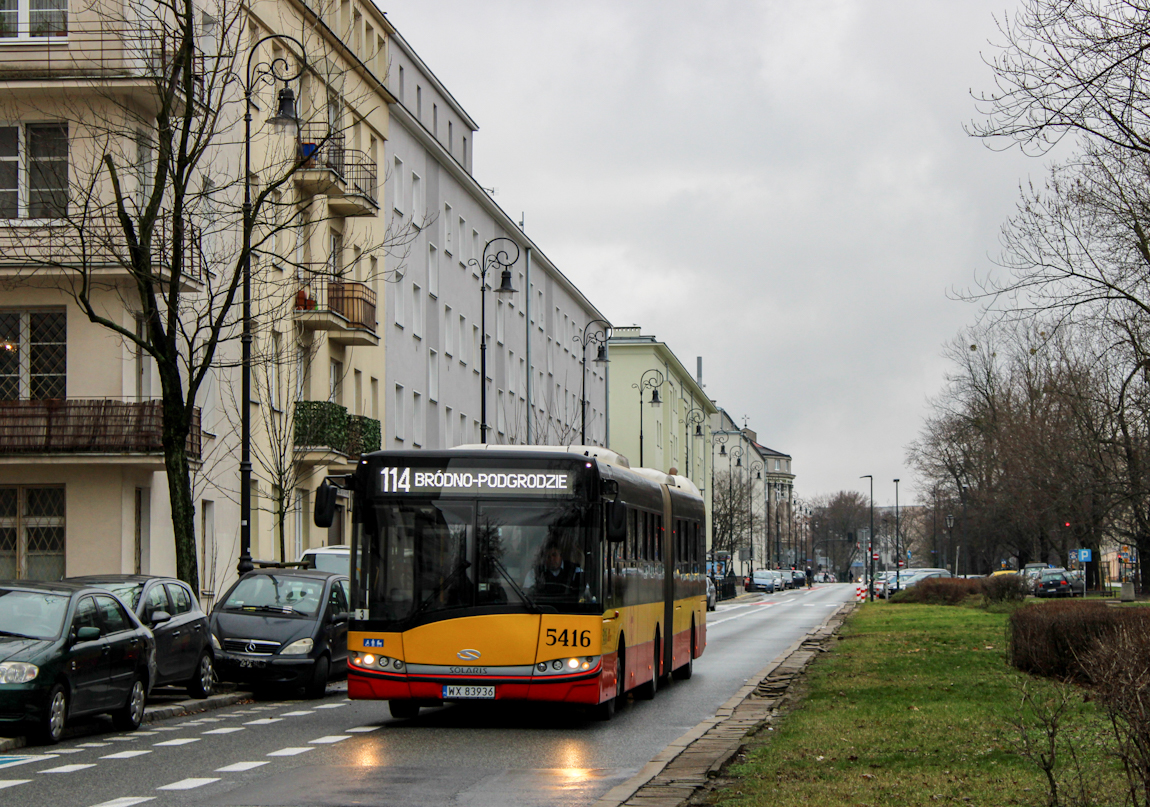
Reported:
(783, 188)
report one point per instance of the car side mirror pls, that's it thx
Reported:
(159, 617)
(87, 634)
(616, 522)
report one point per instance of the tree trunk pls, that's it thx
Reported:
(175, 441)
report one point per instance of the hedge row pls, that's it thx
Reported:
(1055, 639)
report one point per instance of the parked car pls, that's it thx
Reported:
(170, 609)
(712, 594)
(283, 627)
(1055, 583)
(777, 581)
(335, 558)
(762, 580)
(67, 650)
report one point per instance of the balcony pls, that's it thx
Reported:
(95, 247)
(343, 308)
(325, 434)
(136, 56)
(100, 431)
(349, 178)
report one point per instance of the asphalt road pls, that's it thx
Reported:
(339, 752)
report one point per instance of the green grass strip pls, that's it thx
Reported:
(913, 707)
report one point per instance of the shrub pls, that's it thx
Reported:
(939, 591)
(1050, 638)
(1004, 588)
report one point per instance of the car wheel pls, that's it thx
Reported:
(318, 686)
(403, 710)
(201, 684)
(129, 716)
(51, 726)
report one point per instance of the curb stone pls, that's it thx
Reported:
(157, 712)
(685, 766)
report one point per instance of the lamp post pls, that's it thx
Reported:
(719, 439)
(778, 531)
(650, 380)
(735, 454)
(285, 119)
(870, 538)
(949, 535)
(491, 262)
(757, 468)
(897, 550)
(694, 416)
(600, 338)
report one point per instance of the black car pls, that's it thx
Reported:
(1055, 583)
(68, 650)
(168, 607)
(283, 627)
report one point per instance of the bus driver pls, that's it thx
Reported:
(554, 577)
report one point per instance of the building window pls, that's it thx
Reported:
(335, 382)
(448, 223)
(32, 533)
(24, 19)
(397, 195)
(417, 209)
(397, 413)
(33, 355)
(34, 170)
(418, 424)
(398, 297)
(432, 376)
(416, 312)
(432, 270)
(401, 93)
(450, 137)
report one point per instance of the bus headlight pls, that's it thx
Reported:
(567, 666)
(370, 660)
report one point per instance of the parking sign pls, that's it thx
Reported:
(1083, 555)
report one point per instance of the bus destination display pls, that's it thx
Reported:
(477, 481)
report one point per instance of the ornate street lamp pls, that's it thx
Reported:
(736, 454)
(497, 260)
(600, 338)
(756, 468)
(650, 380)
(693, 417)
(285, 121)
(870, 537)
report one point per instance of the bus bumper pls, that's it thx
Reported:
(365, 686)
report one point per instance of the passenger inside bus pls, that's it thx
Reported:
(555, 575)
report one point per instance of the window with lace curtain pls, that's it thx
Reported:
(32, 533)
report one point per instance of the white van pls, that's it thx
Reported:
(336, 558)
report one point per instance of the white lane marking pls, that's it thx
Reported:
(125, 801)
(69, 751)
(230, 730)
(181, 741)
(13, 782)
(188, 784)
(123, 739)
(331, 738)
(146, 733)
(263, 721)
(70, 768)
(13, 761)
(297, 714)
(363, 729)
(263, 708)
(162, 728)
(93, 745)
(289, 752)
(240, 767)
(211, 720)
(127, 754)
(331, 706)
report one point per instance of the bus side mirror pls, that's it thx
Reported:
(616, 521)
(325, 501)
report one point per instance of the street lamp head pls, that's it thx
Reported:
(505, 286)
(285, 121)
(698, 430)
(758, 474)
(722, 451)
(601, 355)
(949, 521)
(655, 400)
(739, 462)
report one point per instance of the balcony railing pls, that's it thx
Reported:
(95, 244)
(356, 172)
(350, 299)
(327, 425)
(93, 45)
(88, 426)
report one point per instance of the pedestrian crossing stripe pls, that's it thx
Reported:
(12, 760)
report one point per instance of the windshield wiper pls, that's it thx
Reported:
(279, 609)
(15, 635)
(461, 567)
(534, 606)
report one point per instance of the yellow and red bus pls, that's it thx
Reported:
(520, 573)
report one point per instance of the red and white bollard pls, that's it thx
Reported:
(860, 592)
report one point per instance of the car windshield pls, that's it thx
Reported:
(442, 556)
(331, 561)
(31, 614)
(278, 594)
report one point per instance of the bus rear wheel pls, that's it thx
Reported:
(403, 710)
(687, 670)
(647, 691)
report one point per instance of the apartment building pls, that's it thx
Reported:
(660, 415)
(93, 103)
(540, 339)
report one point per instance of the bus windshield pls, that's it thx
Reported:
(431, 557)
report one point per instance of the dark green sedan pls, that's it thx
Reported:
(68, 650)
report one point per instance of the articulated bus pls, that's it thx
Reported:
(520, 573)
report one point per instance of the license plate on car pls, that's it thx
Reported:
(249, 663)
(461, 692)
